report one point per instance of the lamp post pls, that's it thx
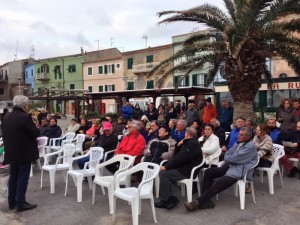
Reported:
(19, 79)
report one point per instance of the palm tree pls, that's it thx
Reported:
(241, 39)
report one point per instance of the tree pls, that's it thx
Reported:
(241, 39)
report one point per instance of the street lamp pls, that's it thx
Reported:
(19, 79)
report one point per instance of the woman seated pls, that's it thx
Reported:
(264, 146)
(53, 130)
(210, 146)
(160, 148)
(74, 126)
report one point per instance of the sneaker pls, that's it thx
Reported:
(161, 204)
(172, 202)
(191, 206)
(293, 172)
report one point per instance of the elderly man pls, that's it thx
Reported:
(41, 115)
(191, 114)
(20, 145)
(188, 154)
(239, 159)
(179, 132)
(153, 132)
(218, 131)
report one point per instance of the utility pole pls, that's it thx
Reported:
(111, 41)
(146, 39)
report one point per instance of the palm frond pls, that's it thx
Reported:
(202, 36)
(231, 9)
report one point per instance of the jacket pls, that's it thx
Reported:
(211, 148)
(233, 137)
(178, 136)
(289, 118)
(186, 157)
(191, 115)
(240, 158)
(264, 147)
(209, 112)
(159, 149)
(127, 112)
(19, 137)
(52, 132)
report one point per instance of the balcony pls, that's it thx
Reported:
(144, 68)
(42, 76)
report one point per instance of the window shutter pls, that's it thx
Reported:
(105, 69)
(194, 78)
(72, 86)
(100, 70)
(113, 87)
(205, 82)
(101, 88)
(149, 58)
(130, 86)
(187, 81)
(38, 70)
(47, 69)
(129, 63)
(105, 87)
(175, 80)
(113, 68)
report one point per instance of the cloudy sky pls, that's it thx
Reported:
(61, 27)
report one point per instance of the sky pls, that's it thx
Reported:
(61, 27)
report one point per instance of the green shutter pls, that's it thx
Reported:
(105, 69)
(150, 84)
(205, 82)
(130, 86)
(129, 63)
(175, 80)
(113, 87)
(72, 86)
(47, 69)
(194, 78)
(100, 69)
(262, 96)
(101, 88)
(105, 87)
(90, 88)
(113, 68)
(149, 58)
(187, 81)
(90, 71)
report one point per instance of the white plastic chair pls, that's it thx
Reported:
(188, 182)
(107, 153)
(133, 194)
(278, 152)
(210, 159)
(78, 141)
(56, 143)
(42, 143)
(95, 154)
(67, 152)
(126, 161)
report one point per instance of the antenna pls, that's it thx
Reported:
(32, 51)
(146, 38)
(16, 55)
(111, 41)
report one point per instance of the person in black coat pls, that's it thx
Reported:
(21, 149)
(188, 154)
(53, 130)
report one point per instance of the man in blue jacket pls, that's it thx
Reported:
(239, 159)
(127, 110)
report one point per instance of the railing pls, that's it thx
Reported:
(42, 76)
(144, 68)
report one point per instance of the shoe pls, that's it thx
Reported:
(162, 204)
(172, 202)
(191, 206)
(248, 190)
(12, 206)
(293, 172)
(208, 205)
(26, 206)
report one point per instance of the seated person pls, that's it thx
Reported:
(84, 126)
(91, 133)
(132, 144)
(160, 148)
(218, 131)
(198, 126)
(43, 126)
(210, 145)
(179, 132)
(239, 159)
(153, 132)
(293, 136)
(273, 130)
(108, 141)
(53, 130)
(74, 126)
(187, 155)
(119, 126)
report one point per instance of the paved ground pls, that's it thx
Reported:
(281, 208)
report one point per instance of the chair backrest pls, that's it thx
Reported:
(42, 142)
(68, 150)
(126, 161)
(79, 139)
(278, 152)
(214, 157)
(68, 136)
(197, 167)
(252, 167)
(96, 154)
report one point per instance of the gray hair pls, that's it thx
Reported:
(136, 124)
(217, 121)
(191, 131)
(248, 131)
(183, 122)
(20, 100)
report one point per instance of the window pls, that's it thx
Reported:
(150, 84)
(72, 86)
(130, 85)
(129, 63)
(184, 83)
(1, 91)
(90, 71)
(90, 88)
(100, 88)
(118, 66)
(32, 73)
(72, 68)
(149, 58)
(26, 74)
(199, 80)
(109, 69)
(100, 69)
(110, 87)
(57, 71)
(38, 70)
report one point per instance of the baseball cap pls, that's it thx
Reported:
(107, 126)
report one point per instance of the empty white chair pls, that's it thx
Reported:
(42, 143)
(56, 143)
(126, 161)
(188, 182)
(62, 164)
(278, 152)
(78, 140)
(95, 155)
(135, 194)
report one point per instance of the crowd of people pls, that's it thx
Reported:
(183, 137)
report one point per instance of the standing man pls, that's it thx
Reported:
(209, 112)
(41, 115)
(127, 110)
(20, 145)
(191, 114)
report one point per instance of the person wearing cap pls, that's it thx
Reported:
(160, 148)
(209, 111)
(108, 141)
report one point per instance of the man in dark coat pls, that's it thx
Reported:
(188, 154)
(21, 149)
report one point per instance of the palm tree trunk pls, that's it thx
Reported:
(243, 108)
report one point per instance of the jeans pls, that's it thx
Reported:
(17, 184)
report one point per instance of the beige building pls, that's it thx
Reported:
(103, 72)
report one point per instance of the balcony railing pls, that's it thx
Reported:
(144, 68)
(42, 76)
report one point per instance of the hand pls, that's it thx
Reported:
(162, 168)
(224, 149)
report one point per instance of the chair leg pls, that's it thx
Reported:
(271, 184)
(199, 188)
(90, 181)
(93, 195)
(252, 188)
(182, 187)
(52, 181)
(242, 189)
(281, 174)
(66, 188)
(156, 186)
(114, 207)
(153, 209)
(42, 175)
(110, 191)
(261, 174)
(79, 180)
(189, 190)
(135, 211)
